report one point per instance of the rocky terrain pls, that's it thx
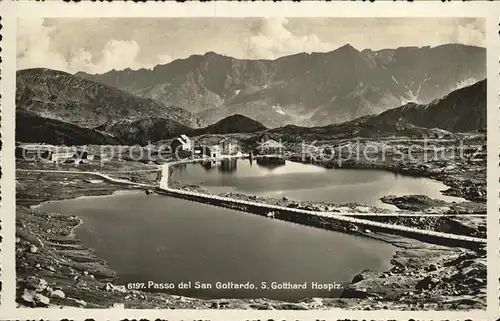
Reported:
(305, 89)
(425, 276)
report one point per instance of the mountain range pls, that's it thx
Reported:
(338, 93)
(305, 89)
(462, 110)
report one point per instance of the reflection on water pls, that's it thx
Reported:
(179, 167)
(309, 182)
(209, 165)
(228, 165)
(270, 165)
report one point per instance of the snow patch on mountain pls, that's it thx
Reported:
(413, 94)
(278, 109)
(465, 83)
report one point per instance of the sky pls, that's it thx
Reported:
(101, 45)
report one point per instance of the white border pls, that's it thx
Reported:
(10, 11)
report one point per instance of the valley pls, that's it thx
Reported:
(382, 124)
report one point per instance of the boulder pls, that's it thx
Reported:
(28, 296)
(41, 300)
(35, 283)
(108, 287)
(57, 294)
(431, 267)
(35, 299)
(114, 288)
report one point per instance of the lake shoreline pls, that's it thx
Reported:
(468, 220)
(458, 174)
(108, 294)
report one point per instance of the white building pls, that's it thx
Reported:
(59, 154)
(214, 151)
(183, 143)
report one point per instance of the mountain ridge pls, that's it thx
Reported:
(235, 123)
(462, 110)
(32, 128)
(152, 129)
(308, 89)
(65, 97)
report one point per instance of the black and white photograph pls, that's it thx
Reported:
(252, 163)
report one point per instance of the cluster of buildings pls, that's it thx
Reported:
(52, 154)
(183, 146)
